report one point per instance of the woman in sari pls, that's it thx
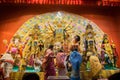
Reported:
(60, 60)
(75, 45)
(48, 63)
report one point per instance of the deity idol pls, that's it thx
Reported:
(7, 64)
(106, 53)
(16, 46)
(89, 40)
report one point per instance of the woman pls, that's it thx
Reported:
(48, 63)
(75, 60)
(60, 60)
(75, 43)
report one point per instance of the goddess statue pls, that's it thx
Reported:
(115, 54)
(106, 53)
(16, 46)
(60, 30)
(89, 40)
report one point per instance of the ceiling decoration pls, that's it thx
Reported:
(65, 2)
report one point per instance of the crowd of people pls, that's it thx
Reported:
(74, 59)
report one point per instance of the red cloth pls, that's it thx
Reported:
(60, 58)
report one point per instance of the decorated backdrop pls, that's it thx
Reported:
(55, 23)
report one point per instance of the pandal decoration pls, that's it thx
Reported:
(53, 27)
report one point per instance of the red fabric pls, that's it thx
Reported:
(9, 61)
(60, 58)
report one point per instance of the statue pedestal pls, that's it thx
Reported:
(58, 78)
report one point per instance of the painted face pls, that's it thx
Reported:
(57, 45)
(16, 41)
(90, 35)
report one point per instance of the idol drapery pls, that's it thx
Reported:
(95, 65)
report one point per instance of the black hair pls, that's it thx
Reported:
(115, 76)
(89, 26)
(77, 38)
(30, 76)
(74, 48)
(51, 46)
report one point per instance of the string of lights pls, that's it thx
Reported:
(65, 2)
